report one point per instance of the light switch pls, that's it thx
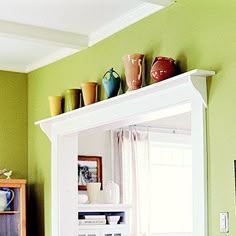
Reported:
(224, 222)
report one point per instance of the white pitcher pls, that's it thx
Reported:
(3, 199)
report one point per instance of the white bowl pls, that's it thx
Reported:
(82, 198)
(113, 220)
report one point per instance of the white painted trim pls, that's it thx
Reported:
(64, 52)
(163, 88)
(43, 35)
(160, 2)
(69, 40)
(122, 22)
(61, 53)
(131, 108)
(13, 68)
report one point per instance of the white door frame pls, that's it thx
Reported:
(182, 93)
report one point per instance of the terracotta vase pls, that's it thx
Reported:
(111, 83)
(89, 92)
(162, 68)
(133, 70)
(72, 99)
(55, 104)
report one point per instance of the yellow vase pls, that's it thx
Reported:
(55, 104)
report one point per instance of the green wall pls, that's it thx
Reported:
(13, 123)
(198, 34)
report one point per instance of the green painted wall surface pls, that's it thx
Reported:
(13, 123)
(198, 34)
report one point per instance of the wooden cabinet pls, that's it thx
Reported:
(13, 220)
(120, 229)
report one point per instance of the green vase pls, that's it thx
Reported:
(72, 99)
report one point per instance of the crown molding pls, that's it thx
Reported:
(163, 3)
(64, 52)
(13, 68)
(122, 22)
(43, 35)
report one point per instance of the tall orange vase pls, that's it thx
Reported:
(89, 92)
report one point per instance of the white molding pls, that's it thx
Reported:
(68, 40)
(145, 104)
(160, 2)
(13, 68)
(43, 35)
(165, 86)
(122, 22)
(60, 54)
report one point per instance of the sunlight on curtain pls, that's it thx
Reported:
(156, 179)
(132, 168)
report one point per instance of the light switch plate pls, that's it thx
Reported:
(224, 222)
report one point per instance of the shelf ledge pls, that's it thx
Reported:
(67, 123)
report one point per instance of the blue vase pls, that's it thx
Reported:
(111, 84)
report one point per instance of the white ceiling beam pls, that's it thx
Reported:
(43, 35)
(164, 3)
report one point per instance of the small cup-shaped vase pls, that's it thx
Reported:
(93, 190)
(55, 103)
(89, 92)
(133, 70)
(72, 99)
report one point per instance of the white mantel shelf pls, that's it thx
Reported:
(191, 77)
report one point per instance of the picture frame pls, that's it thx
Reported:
(89, 170)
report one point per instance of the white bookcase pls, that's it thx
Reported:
(120, 229)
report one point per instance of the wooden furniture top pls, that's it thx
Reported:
(14, 183)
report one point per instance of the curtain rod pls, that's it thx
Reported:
(161, 130)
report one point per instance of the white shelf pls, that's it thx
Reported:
(103, 207)
(67, 121)
(107, 227)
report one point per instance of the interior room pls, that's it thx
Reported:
(163, 149)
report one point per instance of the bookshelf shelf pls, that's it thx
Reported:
(102, 211)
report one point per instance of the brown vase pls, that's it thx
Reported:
(55, 104)
(89, 92)
(133, 70)
(162, 68)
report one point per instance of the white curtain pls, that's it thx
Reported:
(132, 173)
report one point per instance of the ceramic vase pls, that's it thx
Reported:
(133, 70)
(4, 199)
(162, 68)
(55, 104)
(89, 92)
(112, 193)
(112, 83)
(93, 190)
(72, 99)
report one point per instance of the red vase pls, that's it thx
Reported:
(162, 68)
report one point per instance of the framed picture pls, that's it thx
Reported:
(89, 170)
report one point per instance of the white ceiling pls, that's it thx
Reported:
(36, 33)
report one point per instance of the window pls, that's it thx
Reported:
(171, 185)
